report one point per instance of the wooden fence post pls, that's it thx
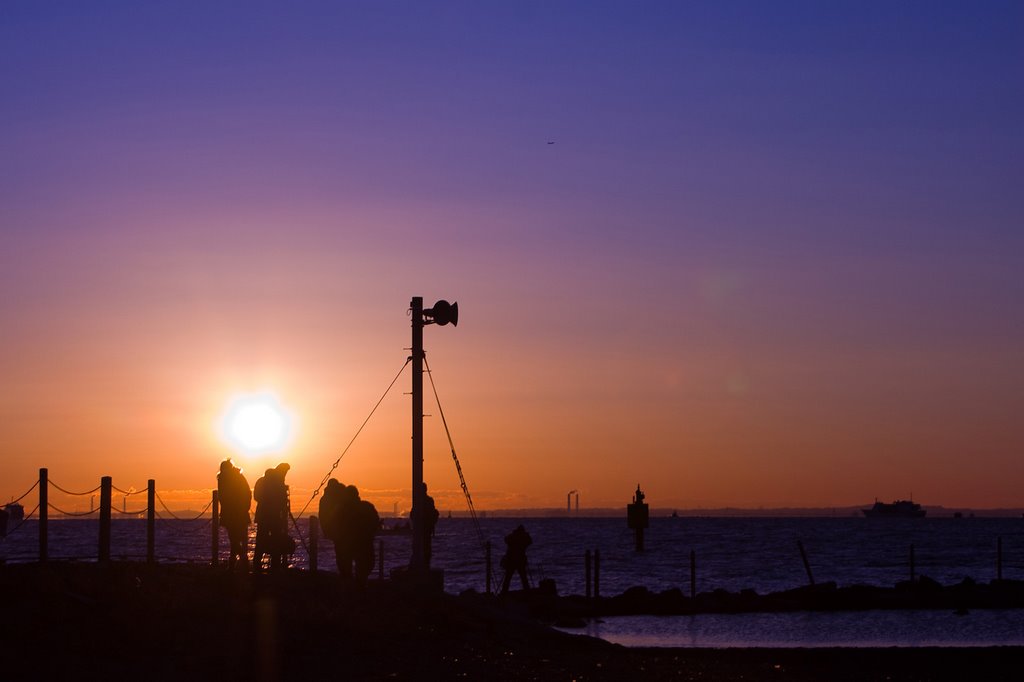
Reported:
(106, 493)
(44, 515)
(151, 521)
(314, 532)
(215, 530)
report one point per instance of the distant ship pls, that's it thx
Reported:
(13, 515)
(15, 512)
(904, 509)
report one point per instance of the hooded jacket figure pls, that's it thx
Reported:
(235, 499)
(272, 514)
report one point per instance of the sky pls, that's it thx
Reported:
(741, 254)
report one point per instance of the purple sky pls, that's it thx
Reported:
(773, 256)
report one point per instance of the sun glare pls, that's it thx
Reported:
(257, 423)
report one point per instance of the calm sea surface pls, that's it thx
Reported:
(731, 553)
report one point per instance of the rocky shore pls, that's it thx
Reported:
(922, 593)
(177, 622)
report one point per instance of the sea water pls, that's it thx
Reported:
(730, 553)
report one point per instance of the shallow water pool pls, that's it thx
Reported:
(981, 628)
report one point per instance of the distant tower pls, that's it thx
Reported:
(636, 517)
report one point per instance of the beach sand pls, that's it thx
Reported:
(179, 622)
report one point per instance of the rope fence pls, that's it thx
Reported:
(68, 492)
(14, 511)
(73, 514)
(177, 530)
(178, 518)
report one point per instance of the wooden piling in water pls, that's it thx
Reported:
(807, 565)
(215, 530)
(106, 493)
(597, 574)
(314, 535)
(586, 571)
(488, 574)
(913, 568)
(44, 515)
(693, 574)
(151, 521)
(999, 558)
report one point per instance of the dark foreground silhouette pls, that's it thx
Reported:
(514, 561)
(177, 622)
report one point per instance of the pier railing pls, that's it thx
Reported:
(105, 513)
(206, 521)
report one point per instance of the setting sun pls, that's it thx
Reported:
(257, 423)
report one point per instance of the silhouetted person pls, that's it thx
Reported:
(333, 523)
(514, 560)
(351, 524)
(428, 519)
(235, 500)
(261, 546)
(272, 513)
(365, 523)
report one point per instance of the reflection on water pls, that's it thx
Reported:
(1002, 627)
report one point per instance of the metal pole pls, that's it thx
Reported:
(419, 558)
(106, 488)
(215, 530)
(151, 521)
(44, 508)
